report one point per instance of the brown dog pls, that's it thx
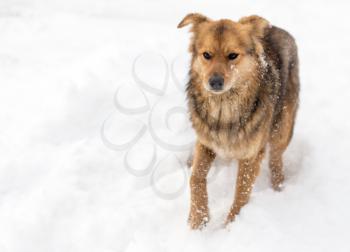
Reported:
(242, 95)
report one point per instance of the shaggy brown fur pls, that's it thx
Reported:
(255, 106)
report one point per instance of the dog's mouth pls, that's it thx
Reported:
(217, 91)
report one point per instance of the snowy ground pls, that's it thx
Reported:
(68, 184)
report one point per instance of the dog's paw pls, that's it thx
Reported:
(229, 219)
(277, 183)
(234, 211)
(278, 186)
(198, 219)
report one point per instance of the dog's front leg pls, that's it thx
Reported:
(202, 159)
(248, 170)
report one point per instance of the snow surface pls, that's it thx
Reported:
(68, 184)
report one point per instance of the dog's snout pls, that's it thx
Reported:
(216, 82)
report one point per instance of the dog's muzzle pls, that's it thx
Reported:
(216, 83)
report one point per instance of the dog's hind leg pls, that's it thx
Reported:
(276, 167)
(248, 170)
(283, 123)
(189, 161)
(280, 137)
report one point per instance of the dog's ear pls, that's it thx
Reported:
(256, 25)
(194, 19)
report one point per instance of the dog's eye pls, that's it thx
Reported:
(206, 55)
(232, 56)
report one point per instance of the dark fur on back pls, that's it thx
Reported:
(280, 47)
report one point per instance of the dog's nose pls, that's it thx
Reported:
(216, 82)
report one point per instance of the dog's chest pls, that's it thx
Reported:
(224, 132)
(229, 144)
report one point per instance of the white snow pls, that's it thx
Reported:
(64, 186)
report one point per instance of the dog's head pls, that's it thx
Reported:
(225, 54)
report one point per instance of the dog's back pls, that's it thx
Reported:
(281, 48)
